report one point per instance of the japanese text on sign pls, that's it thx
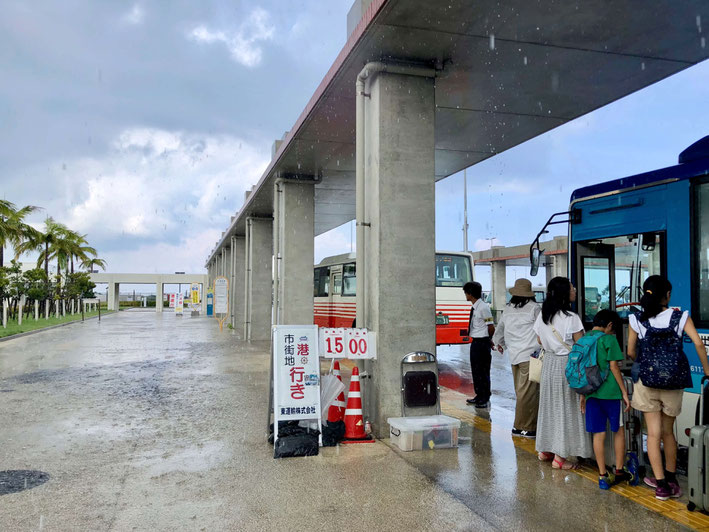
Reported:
(296, 372)
(221, 299)
(347, 343)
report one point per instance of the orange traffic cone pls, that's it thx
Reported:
(354, 423)
(336, 411)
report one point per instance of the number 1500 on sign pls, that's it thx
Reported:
(347, 343)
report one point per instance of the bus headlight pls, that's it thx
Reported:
(441, 319)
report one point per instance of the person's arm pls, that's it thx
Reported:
(691, 331)
(615, 370)
(577, 335)
(582, 404)
(633, 343)
(498, 337)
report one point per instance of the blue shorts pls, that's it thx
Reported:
(599, 412)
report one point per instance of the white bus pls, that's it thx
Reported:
(335, 288)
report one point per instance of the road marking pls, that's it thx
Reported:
(671, 509)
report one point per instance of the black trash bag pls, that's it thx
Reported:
(305, 444)
(286, 428)
(332, 433)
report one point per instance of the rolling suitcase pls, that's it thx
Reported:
(632, 422)
(698, 459)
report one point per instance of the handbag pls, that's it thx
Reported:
(535, 366)
(536, 363)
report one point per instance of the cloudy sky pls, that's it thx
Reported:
(141, 124)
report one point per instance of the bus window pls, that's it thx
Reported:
(349, 280)
(337, 284)
(322, 282)
(611, 272)
(596, 286)
(452, 270)
(701, 230)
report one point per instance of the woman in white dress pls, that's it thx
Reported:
(561, 430)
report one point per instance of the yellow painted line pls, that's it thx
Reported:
(671, 509)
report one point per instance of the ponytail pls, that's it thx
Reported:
(655, 289)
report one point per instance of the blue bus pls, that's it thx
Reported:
(622, 231)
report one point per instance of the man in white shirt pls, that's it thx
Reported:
(481, 328)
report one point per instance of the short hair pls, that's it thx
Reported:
(604, 317)
(474, 289)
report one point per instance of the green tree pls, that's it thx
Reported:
(89, 264)
(45, 242)
(13, 229)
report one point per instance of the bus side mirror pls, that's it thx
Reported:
(535, 257)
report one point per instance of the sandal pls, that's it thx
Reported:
(545, 457)
(563, 464)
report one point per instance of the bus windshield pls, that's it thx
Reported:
(452, 270)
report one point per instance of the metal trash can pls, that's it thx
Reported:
(419, 385)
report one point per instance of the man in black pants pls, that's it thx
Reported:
(481, 329)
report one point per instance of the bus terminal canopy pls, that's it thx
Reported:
(507, 72)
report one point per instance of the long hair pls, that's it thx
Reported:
(557, 300)
(520, 301)
(655, 288)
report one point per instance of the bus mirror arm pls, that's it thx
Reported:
(535, 253)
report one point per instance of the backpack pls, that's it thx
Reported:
(582, 371)
(663, 364)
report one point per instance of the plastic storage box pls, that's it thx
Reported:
(424, 432)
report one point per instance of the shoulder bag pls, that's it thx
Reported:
(536, 359)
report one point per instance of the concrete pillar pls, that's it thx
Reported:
(259, 278)
(399, 209)
(111, 296)
(227, 274)
(46, 309)
(238, 316)
(56, 308)
(4, 313)
(561, 265)
(20, 309)
(295, 233)
(36, 310)
(498, 275)
(158, 296)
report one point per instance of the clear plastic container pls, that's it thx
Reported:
(424, 432)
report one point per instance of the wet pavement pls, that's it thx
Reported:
(151, 421)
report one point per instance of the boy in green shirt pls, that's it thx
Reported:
(604, 405)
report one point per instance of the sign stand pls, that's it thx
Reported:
(295, 372)
(221, 300)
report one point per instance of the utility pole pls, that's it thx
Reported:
(465, 209)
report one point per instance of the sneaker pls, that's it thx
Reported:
(675, 490)
(478, 404)
(623, 476)
(651, 482)
(517, 432)
(662, 493)
(606, 481)
(529, 434)
(472, 400)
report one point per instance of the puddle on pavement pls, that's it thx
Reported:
(200, 457)
(14, 481)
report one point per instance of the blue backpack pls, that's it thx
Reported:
(582, 370)
(663, 364)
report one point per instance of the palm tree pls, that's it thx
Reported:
(13, 229)
(91, 262)
(77, 246)
(44, 242)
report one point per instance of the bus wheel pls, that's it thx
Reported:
(354, 324)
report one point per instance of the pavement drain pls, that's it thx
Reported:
(14, 481)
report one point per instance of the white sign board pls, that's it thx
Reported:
(92, 300)
(354, 344)
(221, 295)
(179, 303)
(296, 374)
(172, 300)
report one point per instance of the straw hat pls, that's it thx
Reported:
(522, 288)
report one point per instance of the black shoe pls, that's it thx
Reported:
(529, 434)
(480, 404)
(472, 400)
(517, 432)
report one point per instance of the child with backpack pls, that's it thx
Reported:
(655, 343)
(594, 360)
